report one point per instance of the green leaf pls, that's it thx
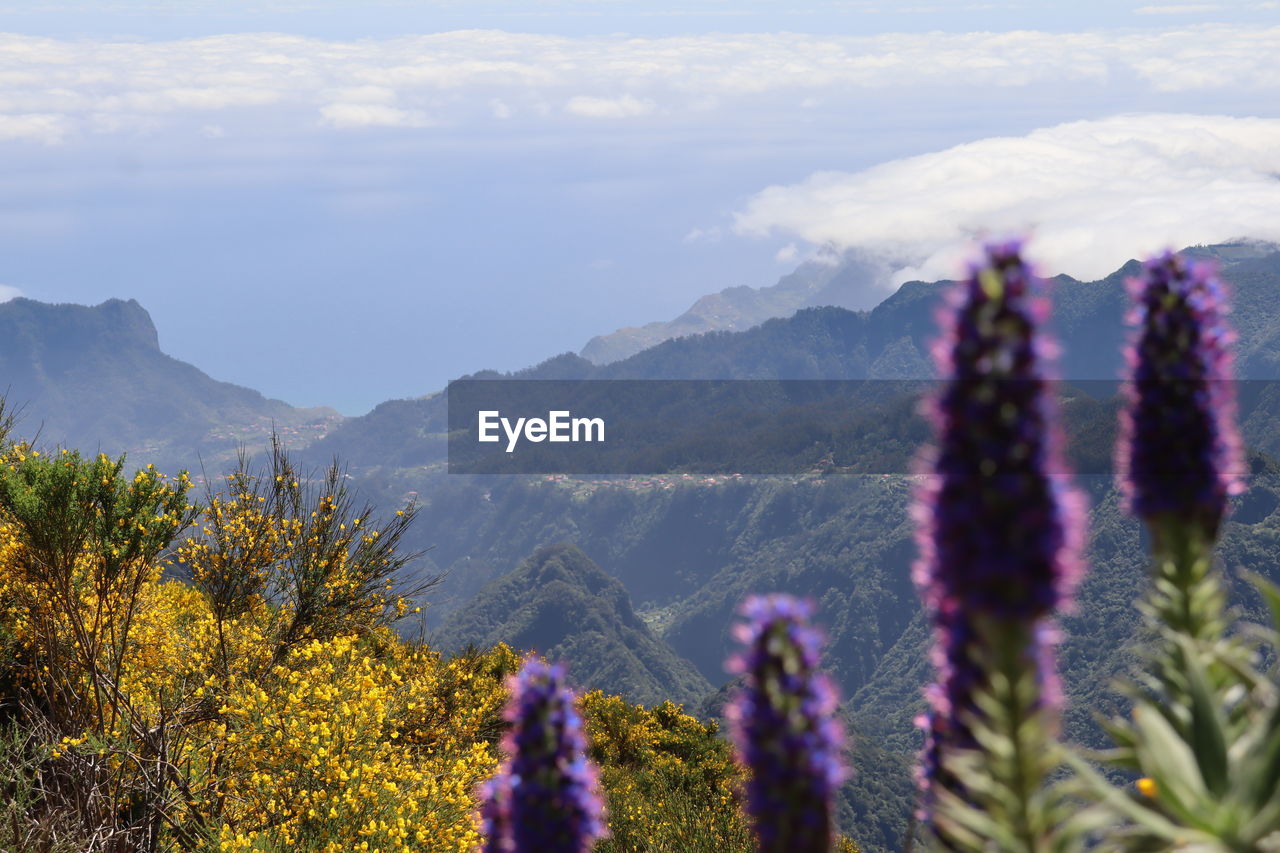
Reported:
(1208, 725)
(1169, 761)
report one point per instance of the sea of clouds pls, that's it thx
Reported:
(1092, 192)
(55, 90)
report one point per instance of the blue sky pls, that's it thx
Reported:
(341, 206)
(331, 19)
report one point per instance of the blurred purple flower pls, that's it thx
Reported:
(999, 527)
(1179, 453)
(784, 724)
(545, 797)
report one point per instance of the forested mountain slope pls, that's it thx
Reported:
(564, 606)
(889, 342)
(688, 549)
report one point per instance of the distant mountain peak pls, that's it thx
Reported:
(94, 377)
(850, 283)
(51, 326)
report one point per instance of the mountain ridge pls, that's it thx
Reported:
(847, 282)
(97, 378)
(814, 283)
(890, 341)
(561, 604)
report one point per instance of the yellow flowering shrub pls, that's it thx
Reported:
(264, 705)
(225, 678)
(670, 781)
(81, 547)
(332, 754)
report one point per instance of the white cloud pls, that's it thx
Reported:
(8, 291)
(700, 235)
(364, 95)
(1091, 194)
(627, 106)
(52, 90)
(787, 254)
(370, 115)
(1179, 9)
(177, 98)
(37, 127)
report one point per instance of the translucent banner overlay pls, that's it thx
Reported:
(749, 427)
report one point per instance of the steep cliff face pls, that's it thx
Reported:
(52, 340)
(95, 378)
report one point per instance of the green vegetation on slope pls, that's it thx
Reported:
(565, 607)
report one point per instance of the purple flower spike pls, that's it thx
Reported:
(784, 724)
(999, 527)
(999, 524)
(1180, 453)
(545, 796)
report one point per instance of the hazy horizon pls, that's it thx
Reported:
(420, 190)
